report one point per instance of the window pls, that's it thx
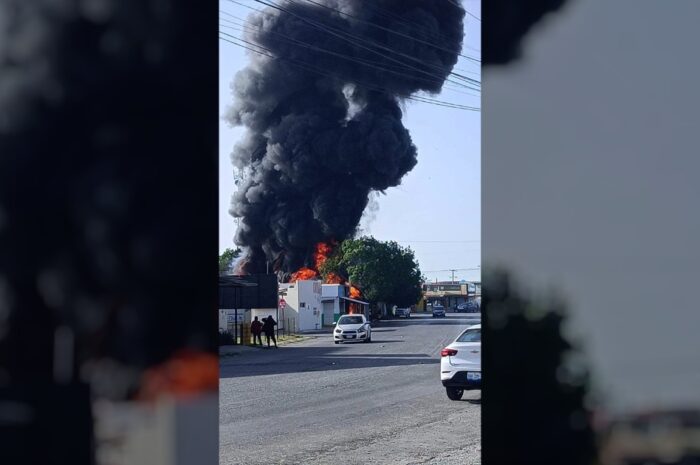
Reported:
(350, 320)
(470, 335)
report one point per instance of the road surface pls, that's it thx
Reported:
(315, 402)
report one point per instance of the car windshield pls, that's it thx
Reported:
(470, 335)
(350, 320)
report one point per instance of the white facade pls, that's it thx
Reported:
(331, 297)
(303, 307)
(227, 318)
(263, 313)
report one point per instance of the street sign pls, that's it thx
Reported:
(283, 303)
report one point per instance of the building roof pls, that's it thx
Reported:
(355, 300)
(235, 281)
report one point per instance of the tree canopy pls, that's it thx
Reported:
(226, 259)
(383, 271)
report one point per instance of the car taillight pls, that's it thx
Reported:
(448, 352)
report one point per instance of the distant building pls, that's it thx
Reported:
(450, 294)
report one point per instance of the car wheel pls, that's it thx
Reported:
(454, 393)
(369, 339)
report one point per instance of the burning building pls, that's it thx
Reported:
(338, 299)
(321, 101)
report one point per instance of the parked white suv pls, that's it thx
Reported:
(352, 328)
(460, 363)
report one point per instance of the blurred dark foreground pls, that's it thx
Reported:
(108, 231)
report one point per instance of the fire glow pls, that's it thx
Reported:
(323, 251)
(186, 374)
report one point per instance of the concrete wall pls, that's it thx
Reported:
(328, 312)
(304, 305)
(227, 318)
(332, 308)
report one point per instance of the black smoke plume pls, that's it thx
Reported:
(107, 156)
(507, 23)
(322, 106)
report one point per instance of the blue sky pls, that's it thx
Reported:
(437, 208)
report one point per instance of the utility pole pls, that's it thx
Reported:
(453, 276)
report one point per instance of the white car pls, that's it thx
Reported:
(404, 312)
(352, 328)
(460, 363)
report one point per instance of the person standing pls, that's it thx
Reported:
(256, 330)
(269, 329)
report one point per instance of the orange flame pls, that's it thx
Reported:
(333, 278)
(304, 274)
(185, 374)
(323, 251)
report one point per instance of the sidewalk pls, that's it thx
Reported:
(241, 349)
(225, 351)
(312, 332)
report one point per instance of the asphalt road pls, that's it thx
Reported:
(315, 402)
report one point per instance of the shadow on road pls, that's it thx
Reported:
(313, 359)
(463, 319)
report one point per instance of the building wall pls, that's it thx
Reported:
(451, 294)
(304, 305)
(227, 318)
(329, 312)
(291, 309)
(332, 309)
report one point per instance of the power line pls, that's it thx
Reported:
(440, 242)
(380, 27)
(368, 63)
(452, 269)
(356, 37)
(361, 84)
(339, 33)
(439, 79)
(459, 76)
(388, 14)
(473, 15)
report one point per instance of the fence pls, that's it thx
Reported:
(239, 333)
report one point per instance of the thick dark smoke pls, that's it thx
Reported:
(507, 23)
(107, 157)
(324, 116)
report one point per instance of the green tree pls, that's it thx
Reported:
(383, 271)
(226, 259)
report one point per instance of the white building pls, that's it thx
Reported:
(336, 302)
(229, 318)
(331, 297)
(303, 310)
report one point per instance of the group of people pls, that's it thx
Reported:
(267, 326)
